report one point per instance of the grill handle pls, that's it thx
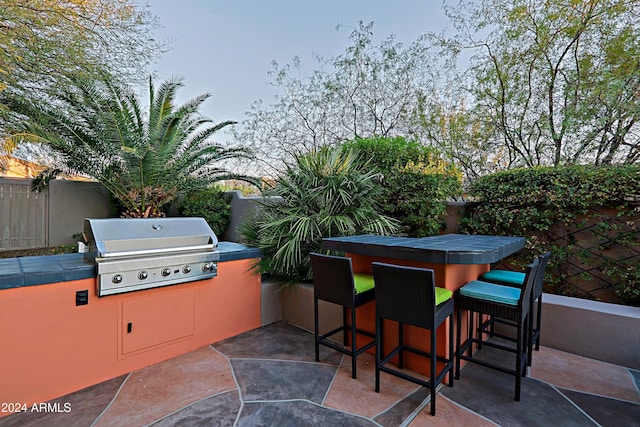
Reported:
(156, 251)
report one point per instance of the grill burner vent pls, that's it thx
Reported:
(134, 254)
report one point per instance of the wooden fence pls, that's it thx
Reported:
(23, 216)
(51, 218)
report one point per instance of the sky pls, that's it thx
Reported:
(226, 48)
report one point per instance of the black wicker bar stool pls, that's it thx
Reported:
(505, 302)
(409, 296)
(334, 281)
(516, 279)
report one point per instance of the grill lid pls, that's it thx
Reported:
(129, 237)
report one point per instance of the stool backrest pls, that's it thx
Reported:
(333, 278)
(529, 281)
(539, 280)
(405, 294)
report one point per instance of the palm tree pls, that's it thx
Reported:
(144, 160)
(326, 193)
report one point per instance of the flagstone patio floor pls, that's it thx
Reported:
(268, 377)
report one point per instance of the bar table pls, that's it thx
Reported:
(455, 258)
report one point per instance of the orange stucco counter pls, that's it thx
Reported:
(51, 346)
(455, 259)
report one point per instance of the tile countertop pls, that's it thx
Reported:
(40, 270)
(442, 249)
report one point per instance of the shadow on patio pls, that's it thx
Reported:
(268, 376)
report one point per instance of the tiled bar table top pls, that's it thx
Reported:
(455, 259)
(443, 249)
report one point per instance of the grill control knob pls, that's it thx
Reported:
(186, 269)
(143, 275)
(117, 278)
(208, 266)
(165, 272)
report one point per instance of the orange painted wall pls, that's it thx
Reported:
(51, 347)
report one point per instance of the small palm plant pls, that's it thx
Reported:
(325, 194)
(144, 160)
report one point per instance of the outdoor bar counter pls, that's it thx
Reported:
(455, 258)
(58, 336)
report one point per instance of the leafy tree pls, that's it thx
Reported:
(367, 91)
(459, 134)
(326, 193)
(45, 43)
(145, 161)
(549, 83)
(416, 182)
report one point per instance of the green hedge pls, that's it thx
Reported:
(416, 182)
(210, 204)
(530, 202)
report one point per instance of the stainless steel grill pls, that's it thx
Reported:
(135, 254)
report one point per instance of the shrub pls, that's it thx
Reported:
(524, 199)
(209, 203)
(586, 215)
(325, 194)
(416, 182)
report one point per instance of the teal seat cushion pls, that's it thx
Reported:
(504, 276)
(363, 282)
(442, 295)
(491, 292)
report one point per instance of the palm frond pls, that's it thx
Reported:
(41, 181)
(324, 194)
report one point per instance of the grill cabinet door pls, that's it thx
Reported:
(150, 321)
